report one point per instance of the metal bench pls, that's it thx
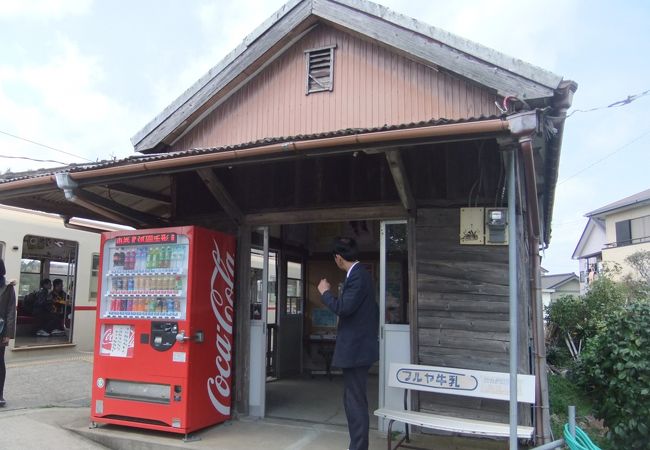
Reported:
(447, 380)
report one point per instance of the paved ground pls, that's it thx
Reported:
(48, 399)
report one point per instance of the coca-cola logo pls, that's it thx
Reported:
(107, 340)
(106, 344)
(222, 303)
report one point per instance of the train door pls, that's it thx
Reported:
(54, 259)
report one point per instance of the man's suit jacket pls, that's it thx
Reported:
(357, 340)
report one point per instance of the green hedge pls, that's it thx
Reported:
(615, 368)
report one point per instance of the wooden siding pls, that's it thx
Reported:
(463, 310)
(372, 87)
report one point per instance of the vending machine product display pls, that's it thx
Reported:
(164, 342)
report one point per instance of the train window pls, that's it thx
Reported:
(94, 277)
(64, 271)
(30, 276)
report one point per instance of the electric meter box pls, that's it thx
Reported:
(496, 226)
(472, 226)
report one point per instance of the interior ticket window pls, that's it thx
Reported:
(294, 288)
(397, 294)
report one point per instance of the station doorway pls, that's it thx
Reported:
(293, 335)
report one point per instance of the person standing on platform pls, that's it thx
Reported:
(357, 338)
(8, 316)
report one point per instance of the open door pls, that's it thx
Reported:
(290, 313)
(259, 289)
(394, 336)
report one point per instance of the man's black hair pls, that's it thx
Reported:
(346, 247)
(57, 282)
(45, 282)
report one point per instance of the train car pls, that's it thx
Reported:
(36, 246)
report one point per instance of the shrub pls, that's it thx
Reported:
(615, 367)
(571, 321)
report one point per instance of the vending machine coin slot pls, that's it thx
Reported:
(163, 335)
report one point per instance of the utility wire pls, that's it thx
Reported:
(34, 159)
(626, 101)
(43, 145)
(624, 146)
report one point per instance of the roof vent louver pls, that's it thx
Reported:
(320, 69)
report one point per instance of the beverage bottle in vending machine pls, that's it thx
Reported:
(178, 283)
(177, 257)
(141, 262)
(162, 257)
(116, 259)
(168, 257)
(131, 259)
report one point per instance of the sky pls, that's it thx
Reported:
(83, 76)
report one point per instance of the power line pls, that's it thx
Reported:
(624, 146)
(43, 145)
(624, 102)
(33, 159)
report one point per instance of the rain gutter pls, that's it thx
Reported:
(454, 129)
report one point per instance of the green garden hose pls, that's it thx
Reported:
(580, 442)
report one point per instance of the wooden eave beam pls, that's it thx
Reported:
(402, 185)
(139, 192)
(130, 214)
(219, 192)
(373, 212)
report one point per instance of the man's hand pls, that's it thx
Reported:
(323, 286)
(6, 339)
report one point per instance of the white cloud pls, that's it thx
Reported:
(49, 9)
(224, 26)
(59, 103)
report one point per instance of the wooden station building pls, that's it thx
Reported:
(344, 117)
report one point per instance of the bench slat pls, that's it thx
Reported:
(453, 424)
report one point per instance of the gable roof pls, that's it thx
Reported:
(505, 75)
(557, 280)
(642, 198)
(594, 234)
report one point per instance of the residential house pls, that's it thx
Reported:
(613, 232)
(559, 285)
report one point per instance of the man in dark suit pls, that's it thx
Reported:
(357, 341)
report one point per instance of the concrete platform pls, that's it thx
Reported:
(48, 407)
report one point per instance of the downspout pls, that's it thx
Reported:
(524, 126)
(512, 284)
(68, 186)
(561, 103)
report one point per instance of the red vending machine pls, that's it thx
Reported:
(164, 331)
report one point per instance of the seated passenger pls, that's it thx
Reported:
(47, 322)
